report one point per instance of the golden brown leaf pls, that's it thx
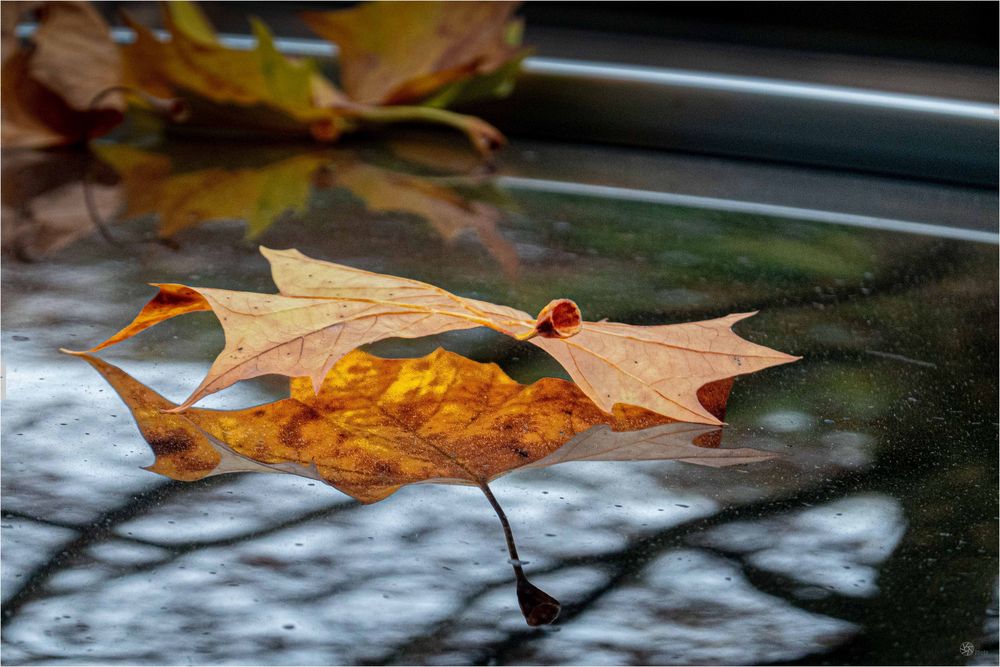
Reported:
(379, 424)
(401, 52)
(324, 310)
(50, 90)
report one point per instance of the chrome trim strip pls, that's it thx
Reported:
(649, 75)
(755, 208)
(760, 86)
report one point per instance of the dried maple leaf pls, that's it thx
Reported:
(378, 424)
(51, 90)
(402, 52)
(324, 310)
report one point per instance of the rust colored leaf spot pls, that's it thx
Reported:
(385, 469)
(714, 396)
(171, 444)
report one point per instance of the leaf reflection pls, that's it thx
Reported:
(262, 195)
(258, 195)
(50, 204)
(52, 200)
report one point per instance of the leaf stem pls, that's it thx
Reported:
(175, 109)
(538, 607)
(507, 532)
(484, 137)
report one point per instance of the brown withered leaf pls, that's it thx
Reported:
(379, 424)
(51, 89)
(402, 52)
(324, 310)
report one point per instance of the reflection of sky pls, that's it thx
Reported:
(834, 547)
(991, 630)
(689, 607)
(278, 569)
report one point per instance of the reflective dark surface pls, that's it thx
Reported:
(874, 540)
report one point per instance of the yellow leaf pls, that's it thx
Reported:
(187, 17)
(447, 212)
(259, 89)
(379, 424)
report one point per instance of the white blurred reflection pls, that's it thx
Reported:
(690, 607)
(832, 548)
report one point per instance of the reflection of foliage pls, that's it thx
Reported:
(257, 195)
(281, 184)
(448, 212)
(53, 201)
